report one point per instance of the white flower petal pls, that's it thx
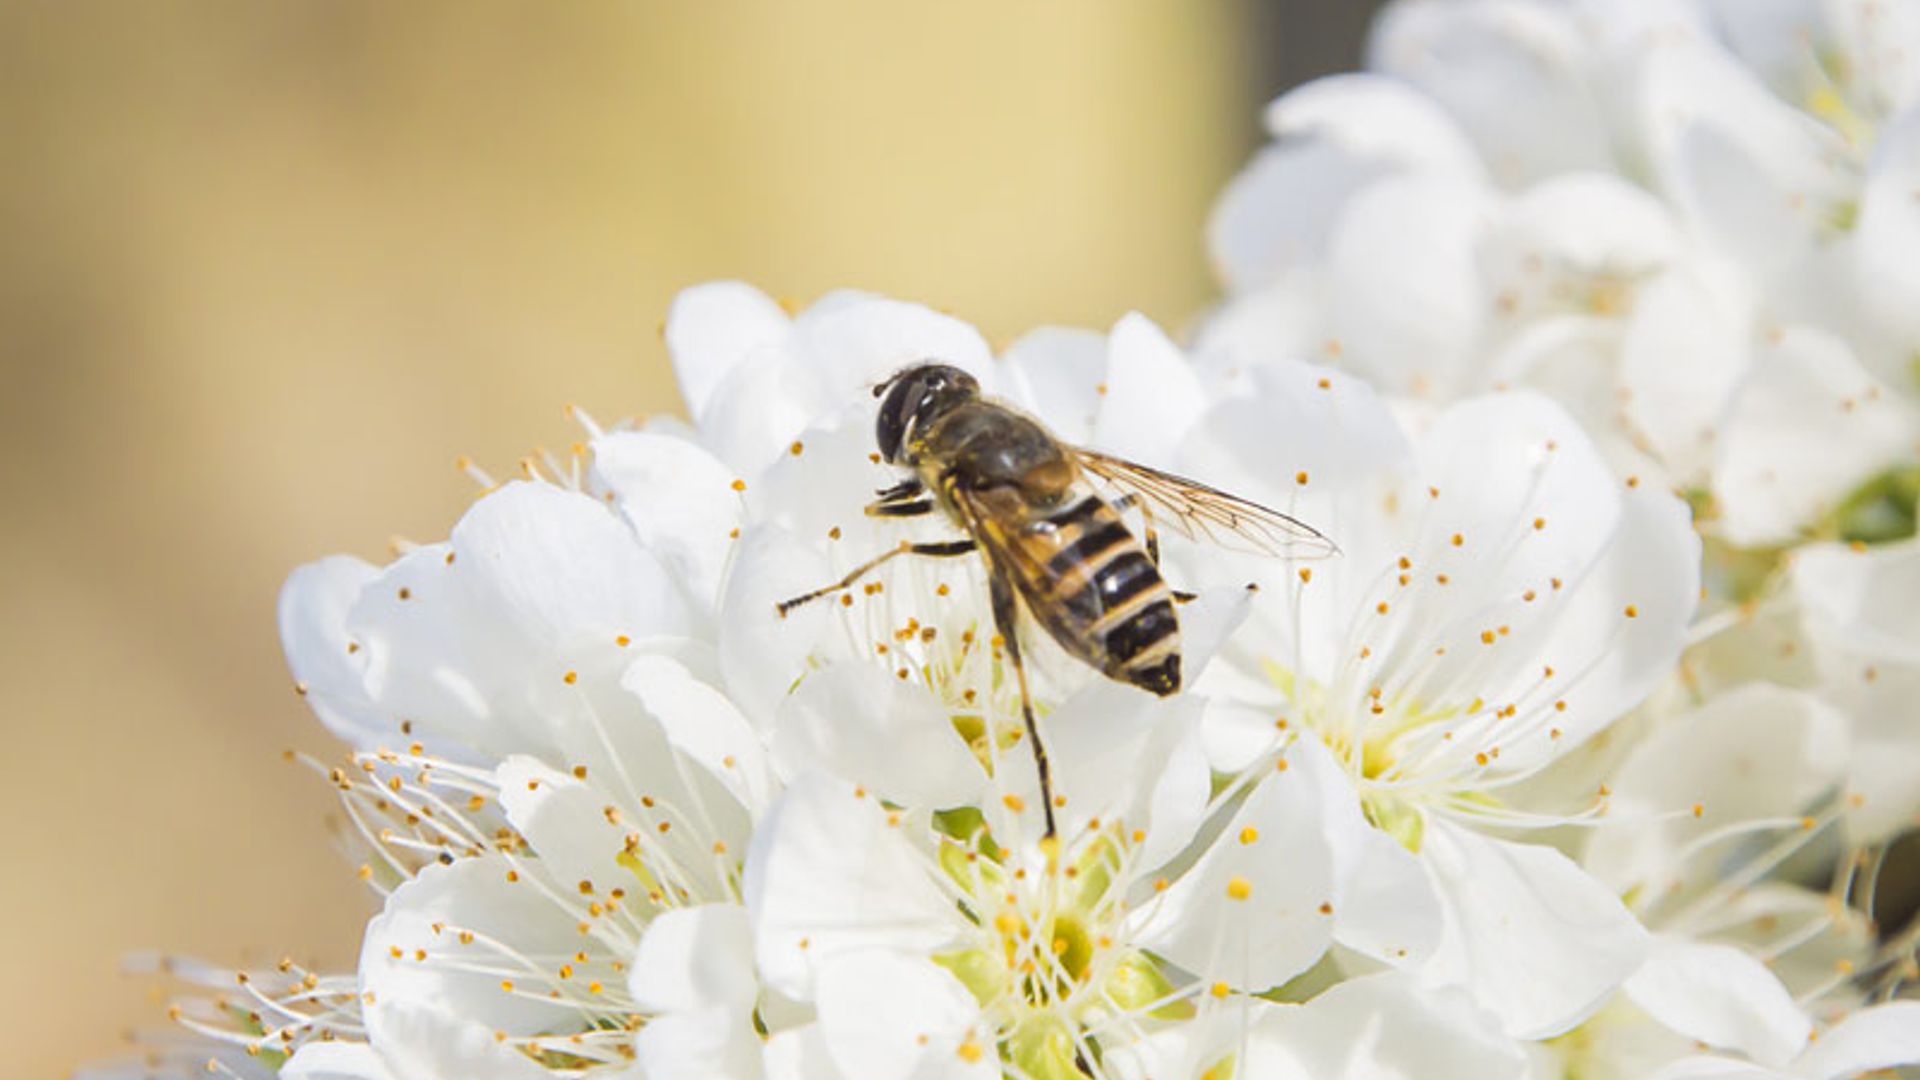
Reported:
(1594, 222)
(763, 654)
(1382, 1026)
(696, 958)
(851, 341)
(1407, 301)
(1531, 581)
(1206, 623)
(1056, 373)
(1569, 358)
(766, 401)
(888, 1016)
(565, 820)
(1756, 753)
(1760, 918)
(1385, 905)
(1119, 753)
(335, 1061)
(799, 1054)
(1513, 459)
(421, 1040)
(1715, 1068)
(1860, 618)
(470, 640)
(1256, 909)
(1517, 76)
(1721, 996)
(1190, 1048)
(694, 972)
(1808, 425)
(313, 631)
(1881, 39)
(1176, 798)
(1275, 216)
(1886, 234)
(1533, 937)
(1336, 135)
(1883, 799)
(434, 1002)
(1234, 731)
(1880, 1037)
(1774, 38)
(711, 329)
(1615, 636)
(706, 1044)
(812, 531)
(1302, 421)
(1284, 321)
(1375, 116)
(1153, 395)
(865, 726)
(1755, 175)
(1861, 602)
(828, 485)
(1685, 351)
(679, 499)
(700, 722)
(827, 875)
(439, 657)
(605, 733)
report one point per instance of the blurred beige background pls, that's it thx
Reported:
(267, 268)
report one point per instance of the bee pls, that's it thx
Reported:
(1051, 543)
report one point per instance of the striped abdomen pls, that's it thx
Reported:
(1090, 583)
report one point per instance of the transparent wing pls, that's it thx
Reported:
(1194, 510)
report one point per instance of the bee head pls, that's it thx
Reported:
(914, 396)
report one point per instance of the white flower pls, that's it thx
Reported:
(631, 820)
(889, 703)
(548, 771)
(1860, 616)
(1880, 1037)
(1570, 577)
(1687, 225)
(1382, 1025)
(929, 949)
(1684, 222)
(1713, 808)
(1838, 628)
(755, 378)
(1500, 599)
(253, 1025)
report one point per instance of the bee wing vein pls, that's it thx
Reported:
(1191, 509)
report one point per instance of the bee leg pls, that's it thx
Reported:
(908, 498)
(1153, 549)
(940, 550)
(905, 489)
(907, 508)
(1127, 502)
(1004, 621)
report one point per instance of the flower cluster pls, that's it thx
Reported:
(1585, 330)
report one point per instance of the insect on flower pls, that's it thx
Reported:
(1050, 541)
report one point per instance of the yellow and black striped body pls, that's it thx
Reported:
(1078, 570)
